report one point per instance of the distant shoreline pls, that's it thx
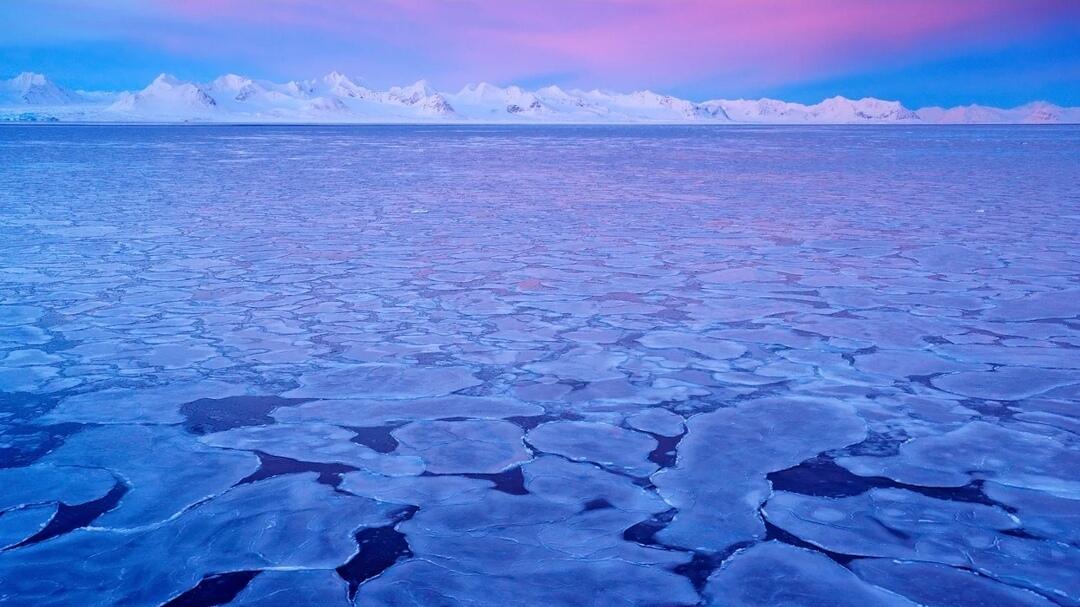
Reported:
(711, 125)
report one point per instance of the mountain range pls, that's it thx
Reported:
(335, 98)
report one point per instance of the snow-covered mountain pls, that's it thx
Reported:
(337, 98)
(1038, 112)
(837, 110)
(34, 89)
(486, 101)
(164, 98)
(423, 98)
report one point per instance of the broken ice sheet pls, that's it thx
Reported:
(315, 443)
(701, 344)
(772, 573)
(896, 523)
(366, 413)
(526, 551)
(725, 456)
(905, 363)
(657, 421)
(160, 404)
(19, 524)
(453, 447)
(1008, 383)
(980, 450)
(1037, 306)
(142, 456)
(314, 588)
(423, 491)
(305, 525)
(760, 316)
(558, 480)
(45, 483)
(933, 585)
(1043, 514)
(384, 381)
(610, 446)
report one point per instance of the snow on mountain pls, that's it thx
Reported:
(35, 89)
(322, 106)
(236, 88)
(647, 106)
(843, 110)
(425, 99)
(166, 98)
(489, 102)
(1037, 112)
(337, 98)
(968, 114)
(246, 100)
(340, 85)
(836, 110)
(560, 101)
(760, 110)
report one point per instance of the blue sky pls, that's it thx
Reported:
(922, 52)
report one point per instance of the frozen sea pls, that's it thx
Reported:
(539, 366)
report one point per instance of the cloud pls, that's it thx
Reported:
(617, 43)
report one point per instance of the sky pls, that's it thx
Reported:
(921, 52)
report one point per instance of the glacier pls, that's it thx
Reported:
(338, 99)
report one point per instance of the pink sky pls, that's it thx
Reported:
(692, 44)
(662, 40)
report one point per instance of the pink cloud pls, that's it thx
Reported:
(657, 41)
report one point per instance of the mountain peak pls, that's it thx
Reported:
(36, 89)
(336, 97)
(231, 82)
(166, 79)
(166, 96)
(413, 93)
(28, 79)
(336, 77)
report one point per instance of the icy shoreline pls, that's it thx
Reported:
(336, 99)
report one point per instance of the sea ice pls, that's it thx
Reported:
(555, 365)
(314, 588)
(618, 448)
(934, 585)
(561, 481)
(141, 456)
(1043, 514)
(772, 573)
(378, 413)
(384, 381)
(657, 421)
(725, 455)
(45, 483)
(1010, 383)
(156, 405)
(477, 446)
(19, 524)
(524, 550)
(304, 526)
(703, 345)
(423, 491)
(896, 523)
(1038, 306)
(316, 443)
(980, 450)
